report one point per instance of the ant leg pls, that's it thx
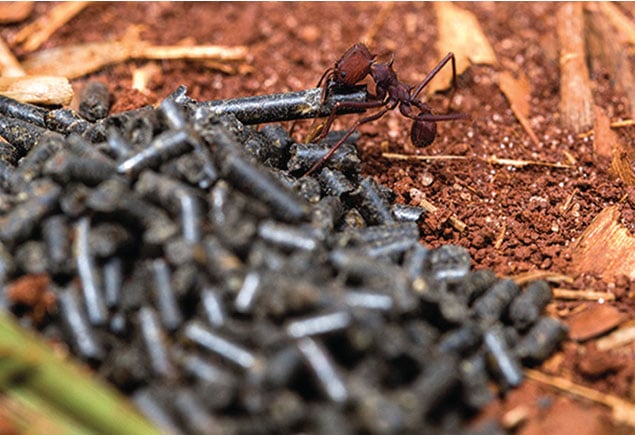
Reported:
(345, 104)
(435, 71)
(346, 136)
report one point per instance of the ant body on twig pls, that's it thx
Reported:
(354, 66)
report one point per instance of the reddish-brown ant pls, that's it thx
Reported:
(354, 66)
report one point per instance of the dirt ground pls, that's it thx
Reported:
(518, 218)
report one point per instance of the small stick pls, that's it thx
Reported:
(9, 65)
(623, 411)
(35, 34)
(620, 337)
(49, 90)
(90, 57)
(576, 100)
(501, 237)
(493, 160)
(582, 295)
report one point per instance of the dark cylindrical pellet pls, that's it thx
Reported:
(169, 144)
(372, 204)
(526, 308)
(449, 263)
(31, 165)
(491, 306)
(246, 297)
(222, 347)
(304, 156)
(282, 107)
(323, 368)
(334, 182)
(89, 275)
(542, 339)
(66, 121)
(165, 297)
(154, 340)
(94, 101)
(26, 112)
(154, 410)
(288, 236)
(407, 213)
(23, 218)
(73, 317)
(500, 356)
(21, 134)
(113, 278)
(66, 167)
(320, 324)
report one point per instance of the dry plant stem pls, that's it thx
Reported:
(9, 65)
(623, 411)
(90, 57)
(14, 12)
(492, 160)
(517, 92)
(35, 34)
(607, 51)
(582, 295)
(576, 100)
(28, 368)
(49, 90)
(460, 33)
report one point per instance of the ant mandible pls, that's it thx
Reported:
(354, 66)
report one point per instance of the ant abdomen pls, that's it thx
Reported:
(423, 133)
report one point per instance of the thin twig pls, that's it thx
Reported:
(457, 223)
(493, 160)
(623, 411)
(534, 275)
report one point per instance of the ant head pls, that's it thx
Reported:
(354, 65)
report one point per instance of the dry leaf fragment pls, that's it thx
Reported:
(49, 90)
(517, 92)
(460, 33)
(605, 248)
(596, 320)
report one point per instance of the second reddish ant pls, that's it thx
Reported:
(354, 66)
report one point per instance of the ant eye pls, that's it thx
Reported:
(343, 74)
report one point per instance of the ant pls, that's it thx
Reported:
(354, 66)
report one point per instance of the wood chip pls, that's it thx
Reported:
(35, 34)
(49, 90)
(594, 321)
(576, 99)
(610, 151)
(14, 12)
(460, 33)
(9, 65)
(518, 93)
(605, 248)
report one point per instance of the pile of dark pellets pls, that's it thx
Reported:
(198, 270)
